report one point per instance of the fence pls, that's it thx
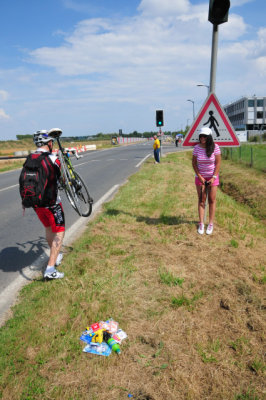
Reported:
(251, 155)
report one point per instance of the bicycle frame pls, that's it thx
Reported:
(73, 185)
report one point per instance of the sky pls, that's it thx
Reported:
(91, 66)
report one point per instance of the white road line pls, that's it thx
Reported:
(9, 294)
(142, 161)
(9, 187)
(85, 162)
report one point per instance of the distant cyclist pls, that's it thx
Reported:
(51, 216)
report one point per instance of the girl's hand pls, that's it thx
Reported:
(210, 182)
(201, 179)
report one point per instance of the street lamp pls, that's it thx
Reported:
(193, 108)
(208, 88)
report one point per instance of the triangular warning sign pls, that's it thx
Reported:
(212, 116)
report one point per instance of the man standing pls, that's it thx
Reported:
(176, 140)
(156, 149)
(52, 215)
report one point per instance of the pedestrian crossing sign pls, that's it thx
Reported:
(213, 116)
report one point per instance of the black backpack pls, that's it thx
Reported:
(34, 189)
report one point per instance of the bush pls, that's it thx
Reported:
(254, 139)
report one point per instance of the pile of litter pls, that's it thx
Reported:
(103, 337)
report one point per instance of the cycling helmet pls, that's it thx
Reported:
(40, 138)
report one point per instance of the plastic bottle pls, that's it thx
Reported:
(111, 342)
(114, 345)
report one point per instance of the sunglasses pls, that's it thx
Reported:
(200, 136)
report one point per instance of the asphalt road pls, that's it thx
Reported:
(22, 239)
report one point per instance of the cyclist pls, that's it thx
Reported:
(52, 217)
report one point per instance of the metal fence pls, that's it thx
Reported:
(252, 155)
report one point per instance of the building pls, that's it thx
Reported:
(247, 113)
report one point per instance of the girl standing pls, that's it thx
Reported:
(206, 163)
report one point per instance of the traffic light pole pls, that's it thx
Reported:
(214, 58)
(161, 150)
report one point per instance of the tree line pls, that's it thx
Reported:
(108, 136)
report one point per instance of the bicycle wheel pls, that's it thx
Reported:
(68, 185)
(83, 200)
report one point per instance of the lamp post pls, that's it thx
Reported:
(193, 108)
(207, 86)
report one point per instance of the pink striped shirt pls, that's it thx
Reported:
(206, 165)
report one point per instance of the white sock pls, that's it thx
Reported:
(59, 259)
(50, 269)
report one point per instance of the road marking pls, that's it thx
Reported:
(142, 161)
(85, 162)
(9, 187)
(9, 294)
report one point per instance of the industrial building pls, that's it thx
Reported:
(248, 114)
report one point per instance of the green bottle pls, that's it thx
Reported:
(112, 343)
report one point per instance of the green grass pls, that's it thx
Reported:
(142, 263)
(206, 351)
(249, 395)
(169, 279)
(185, 301)
(248, 154)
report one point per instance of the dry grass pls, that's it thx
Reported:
(246, 185)
(8, 148)
(202, 338)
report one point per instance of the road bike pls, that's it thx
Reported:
(71, 182)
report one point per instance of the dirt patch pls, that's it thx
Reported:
(245, 185)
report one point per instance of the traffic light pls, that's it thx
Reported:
(159, 117)
(218, 11)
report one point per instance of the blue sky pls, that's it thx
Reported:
(90, 66)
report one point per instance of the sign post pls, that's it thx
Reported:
(214, 117)
(160, 123)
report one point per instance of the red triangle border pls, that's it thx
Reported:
(211, 99)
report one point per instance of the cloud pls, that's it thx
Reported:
(77, 6)
(237, 3)
(261, 66)
(139, 58)
(3, 114)
(152, 59)
(102, 46)
(235, 28)
(159, 8)
(3, 95)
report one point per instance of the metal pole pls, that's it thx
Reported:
(192, 101)
(160, 134)
(214, 58)
(206, 203)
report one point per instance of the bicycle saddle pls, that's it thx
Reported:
(55, 132)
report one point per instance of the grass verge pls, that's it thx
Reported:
(245, 185)
(192, 305)
(7, 148)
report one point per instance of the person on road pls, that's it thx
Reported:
(176, 139)
(156, 149)
(206, 163)
(52, 217)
